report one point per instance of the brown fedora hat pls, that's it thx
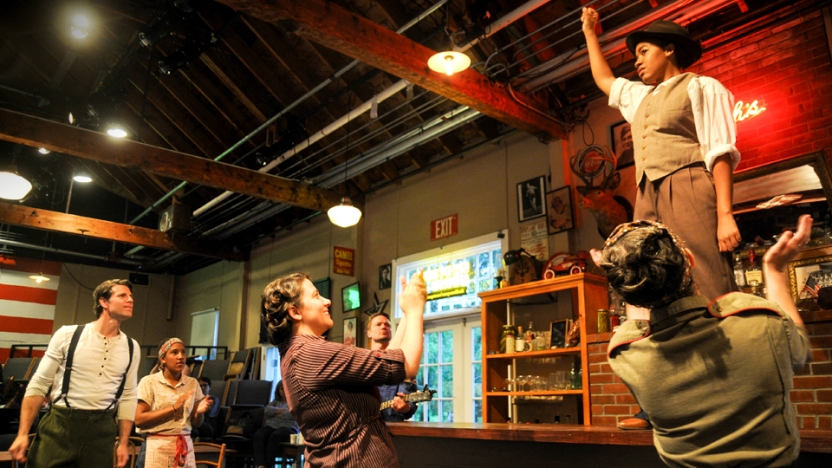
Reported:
(688, 51)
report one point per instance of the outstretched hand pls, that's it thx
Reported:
(414, 294)
(788, 245)
(589, 18)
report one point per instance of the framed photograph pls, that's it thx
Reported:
(622, 143)
(350, 325)
(351, 297)
(558, 330)
(385, 276)
(530, 194)
(559, 210)
(810, 281)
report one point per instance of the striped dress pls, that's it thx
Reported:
(331, 391)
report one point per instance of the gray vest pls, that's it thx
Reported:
(664, 133)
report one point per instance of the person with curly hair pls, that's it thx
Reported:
(332, 388)
(714, 377)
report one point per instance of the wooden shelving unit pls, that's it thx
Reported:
(588, 292)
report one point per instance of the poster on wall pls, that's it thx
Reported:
(343, 261)
(530, 198)
(535, 240)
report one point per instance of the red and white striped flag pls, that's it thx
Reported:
(27, 308)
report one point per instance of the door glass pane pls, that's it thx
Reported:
(476, 372)
(437, 372)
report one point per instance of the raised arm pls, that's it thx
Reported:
(775, 264)
(601, 71)
(409, 339)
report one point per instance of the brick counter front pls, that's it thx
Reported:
(812, 394)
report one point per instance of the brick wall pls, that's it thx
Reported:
(788, 66)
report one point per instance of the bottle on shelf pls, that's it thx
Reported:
(529, 338)
(507, 345)
(739, 272)
(575, 376)
(754, 273)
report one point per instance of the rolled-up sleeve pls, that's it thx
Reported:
(129, 398)
(341, 365)
(44, 376)
(713, 114)
(626, 96)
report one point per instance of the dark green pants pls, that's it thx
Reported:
(68, 438)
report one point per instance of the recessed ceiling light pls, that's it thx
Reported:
(83, 178)
(43, 151)
(80, 27)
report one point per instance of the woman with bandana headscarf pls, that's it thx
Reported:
(170, 404)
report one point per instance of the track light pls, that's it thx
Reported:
(82, 178)
(43, 151)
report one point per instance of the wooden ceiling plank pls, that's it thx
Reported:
(191, 129)
(215, 121)
(33, 131)
(102, 178)
(20, 215)
(199, 76)
(337, 28)
(153, 119)
(232, 86)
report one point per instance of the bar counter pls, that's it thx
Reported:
(481, 445)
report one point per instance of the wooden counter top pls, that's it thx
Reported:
(811, 440)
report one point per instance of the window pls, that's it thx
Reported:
(455, 274)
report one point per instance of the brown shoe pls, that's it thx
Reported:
(634, 423)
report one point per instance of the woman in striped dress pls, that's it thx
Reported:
(331, 388)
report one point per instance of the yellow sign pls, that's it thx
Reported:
(448, 281)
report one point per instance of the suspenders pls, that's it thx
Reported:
(73, 343)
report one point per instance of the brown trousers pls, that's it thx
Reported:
(685, 201)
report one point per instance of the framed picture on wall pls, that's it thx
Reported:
(622, 143)
(530, 202)
(810, 281)
(559, 210)
(385, 276)
(350, 325)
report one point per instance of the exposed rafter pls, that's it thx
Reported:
(19, 215)
(355, 36)
(34, 131)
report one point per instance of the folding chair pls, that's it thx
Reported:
(132, 452)
(203, 449)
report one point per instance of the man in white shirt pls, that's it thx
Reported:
(79, 429)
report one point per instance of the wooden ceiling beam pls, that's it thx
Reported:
(33, 131)
(337, 28)
(20, 215)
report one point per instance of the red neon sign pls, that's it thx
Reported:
(745, 111)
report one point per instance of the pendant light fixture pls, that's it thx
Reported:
(13, 186)
(451, 61)
(345, 214)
